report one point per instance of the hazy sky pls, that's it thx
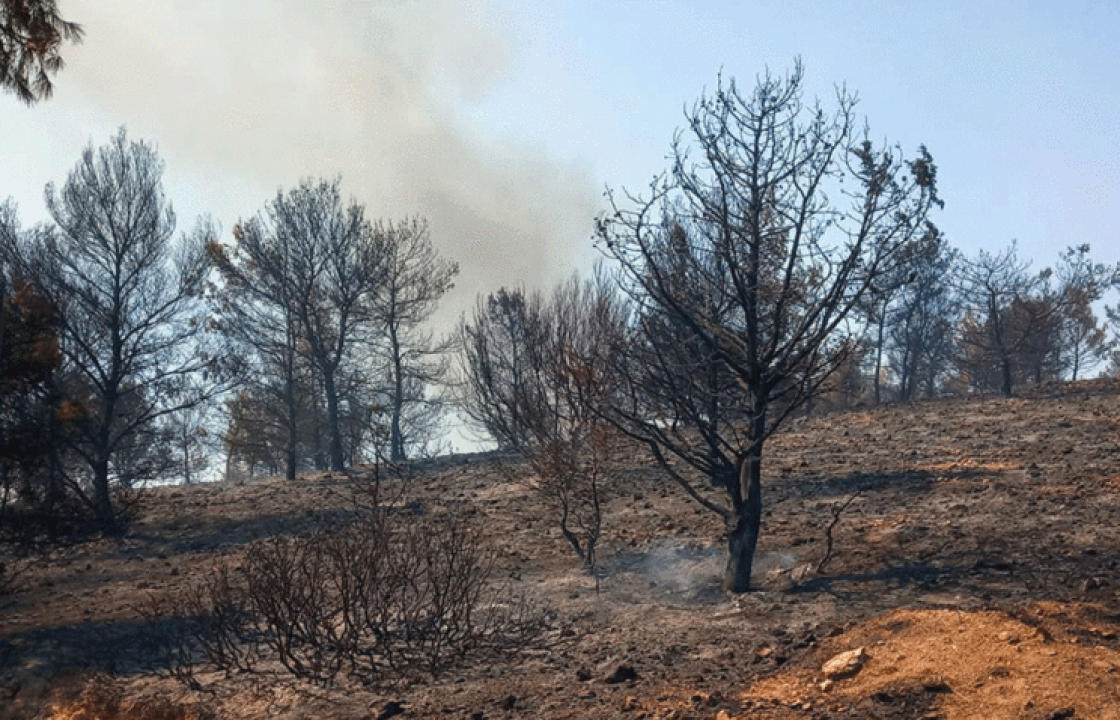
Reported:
(503, 122)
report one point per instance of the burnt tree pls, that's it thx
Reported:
(790, 217)
(314, 264)
(31, 33)
(132, 330)
(416, 277)
(535, 372)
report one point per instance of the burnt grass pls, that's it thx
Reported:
(965, 503)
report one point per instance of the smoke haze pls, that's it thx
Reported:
(244, 98)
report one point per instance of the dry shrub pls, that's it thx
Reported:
(388, 598)
(573, 477)
(104, 699)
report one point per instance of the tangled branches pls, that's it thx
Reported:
(377, 601)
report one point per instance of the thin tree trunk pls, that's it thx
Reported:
(54, 482)
(879, 351)
(293, 428)
(186, 460)
(338, 458)
(1005, 368)
(396, 440)
(103, 504)
(317, 439)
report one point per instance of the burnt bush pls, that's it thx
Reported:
(388, 598)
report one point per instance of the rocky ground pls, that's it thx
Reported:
(974, 576)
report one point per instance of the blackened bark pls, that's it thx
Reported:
(879, 352)
(334, 427)
(396, 439)
(744, 525)
(103, 503)
(1005, 370)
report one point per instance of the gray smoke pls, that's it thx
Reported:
(253, 95)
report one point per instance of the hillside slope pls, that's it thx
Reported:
(977, 567)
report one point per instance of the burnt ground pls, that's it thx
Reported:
(977, 567)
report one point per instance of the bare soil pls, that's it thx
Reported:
(977, 567)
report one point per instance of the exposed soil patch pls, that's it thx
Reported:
(960, 666)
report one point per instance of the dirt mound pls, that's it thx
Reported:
(982, 665)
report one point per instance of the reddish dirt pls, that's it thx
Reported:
(978, 567)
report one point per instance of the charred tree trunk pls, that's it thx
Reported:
(103, 503)
(745, 520)
(186, 460)
(396, 439)
(879, 352)
(744, 525)
(334, 426)
(293, 428)
(1005, 371)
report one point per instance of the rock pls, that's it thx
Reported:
(509, 703)
(630, 703)
(583, 674)
(845, 664)
(825, 686)
(723, 715)
(391, 709)
(623, 673)
(1008, 637)
(1062, 713)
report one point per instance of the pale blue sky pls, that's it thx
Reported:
(503, 122)
(1019, 102)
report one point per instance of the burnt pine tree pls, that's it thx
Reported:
(1081, 283)
(256, 310)
(31, 32)
(790, 217)
(535, 370)
(499, 364)
(29, 403)
(130, 319)
(416, 277)
(922, 333)
(323, 262)
(1009, 309)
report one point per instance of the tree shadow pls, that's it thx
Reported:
(896, 576)
(208, 534)
(900, 481)
(977, 576)
(121, 647)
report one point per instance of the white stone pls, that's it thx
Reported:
(845, 664)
